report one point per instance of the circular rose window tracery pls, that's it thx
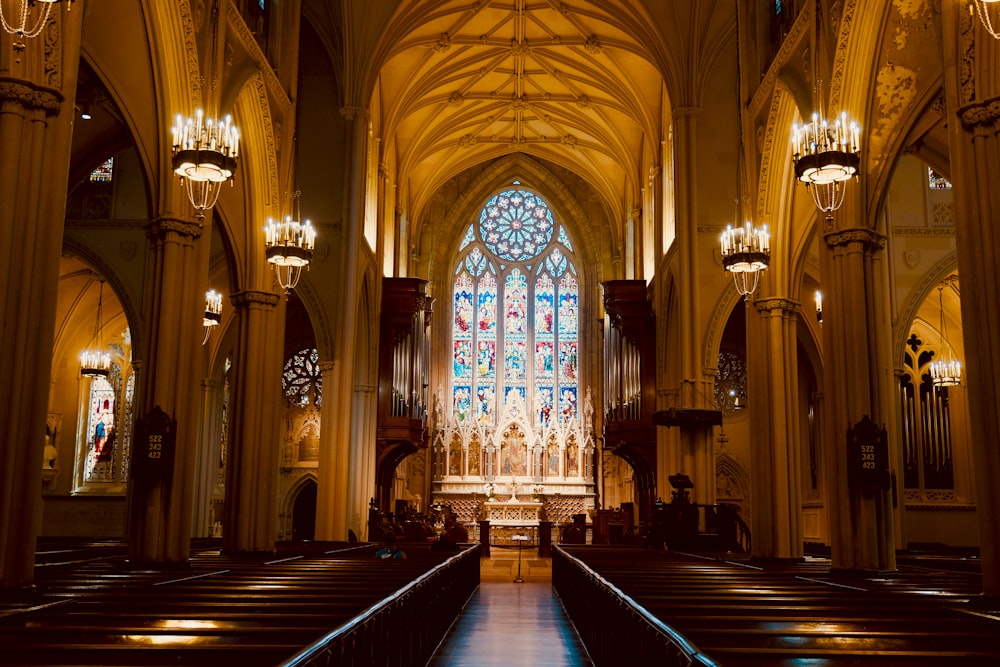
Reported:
(516, 225)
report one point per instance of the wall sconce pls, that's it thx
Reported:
(819, 307)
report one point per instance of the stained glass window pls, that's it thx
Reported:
(515, 294)
(103, 173)
(936, 181)
(516, 225)
(302, 379)
(101, 431)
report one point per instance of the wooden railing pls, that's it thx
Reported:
(614, 628)
(404, 628)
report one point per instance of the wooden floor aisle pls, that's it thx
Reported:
(507, 623)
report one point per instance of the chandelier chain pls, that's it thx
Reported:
(986, 16)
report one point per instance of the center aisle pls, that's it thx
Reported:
(506, 623)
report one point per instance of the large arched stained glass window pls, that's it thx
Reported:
(516, 325)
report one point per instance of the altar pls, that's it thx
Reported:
(512, 512)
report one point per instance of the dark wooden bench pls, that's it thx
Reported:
(217, 610)
(780, 613)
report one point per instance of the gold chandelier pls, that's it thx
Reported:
(826, 154)
(95, 360)
(746, 250)
(989, 15)
(945, 372)
(213, 312)
(288, 246)
(746, 253)
(205, 148)
(204, 156)
(28, 23)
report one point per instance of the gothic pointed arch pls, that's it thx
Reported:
(589, 233)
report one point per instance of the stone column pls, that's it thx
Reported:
(37, 88)
(254, 442)
(160, 509)
(775, 453)
(694, 449)
(337, 432)
(207, 466)
(857, 383)
(329, 413)
(972, 87)
(362, 485)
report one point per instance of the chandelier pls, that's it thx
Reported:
(746, 250)
(205, 149)
(204, 156)
(826, 154)
(95, 360)
(288, 245)
(27, 16)
(989, 14)
(945, 372)
(213, 312)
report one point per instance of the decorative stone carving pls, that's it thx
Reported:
(443, 43)
(254, 299)
(161, 227)
(29, 97)
(127, 249)
(870, 239)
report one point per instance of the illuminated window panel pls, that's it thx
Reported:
(104, 173)
(515, 320)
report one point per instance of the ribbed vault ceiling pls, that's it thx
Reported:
(565, 81)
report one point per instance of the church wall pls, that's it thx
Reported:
(92, 516)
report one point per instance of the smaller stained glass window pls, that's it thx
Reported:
(302, 379)
(103, 173)
(936, 181)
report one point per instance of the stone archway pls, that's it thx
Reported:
(304, 512)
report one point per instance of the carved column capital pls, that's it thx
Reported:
(981, 115)
(778, 306)
(160, 228)
(687, 112)
(254, 300)
(354, 113)
(867, 238)
(29, 96)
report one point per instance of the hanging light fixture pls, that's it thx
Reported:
(288, 245)
(746, 253)
(204, 156)
(989, 15)
(826, 154)
(213, 312)
(945, 372)
(205, 149)
(95, 360)
(26, 16)
(746, 250)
